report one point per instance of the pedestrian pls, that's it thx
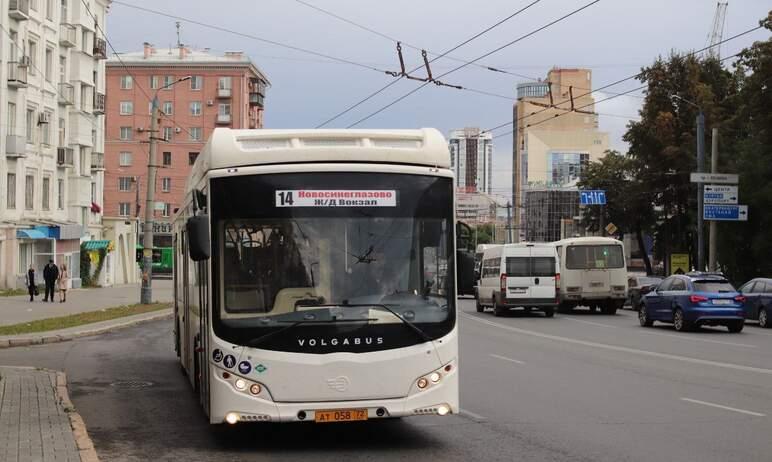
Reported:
(30, 281)
(64, 279)
(50, 275)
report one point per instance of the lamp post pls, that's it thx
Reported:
(700, 186)
(146, 292)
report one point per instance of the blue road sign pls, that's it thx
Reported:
(725, 212)
(592, 197)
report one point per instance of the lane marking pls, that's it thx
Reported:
(719, 406)
(744, 345)
(606, 346)
(472, 415)
(589, 322)
(517, 361)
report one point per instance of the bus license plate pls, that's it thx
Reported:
(340, 415)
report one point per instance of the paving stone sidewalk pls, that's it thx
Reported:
(33, 423)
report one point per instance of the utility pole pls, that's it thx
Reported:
(713, 229)
(700, 189)
(509, 223)
(146, 294)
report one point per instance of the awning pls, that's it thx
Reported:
(30, 234)
(96, 245)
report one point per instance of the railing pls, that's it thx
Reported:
(64, 156)
(99, 103)
(223, 118)
(66, 94)
(18, 9)
(100, 48)
(67, 35)
(223, 92)
(97, 161)
(257, 86)
(256, 99)
(17, 74)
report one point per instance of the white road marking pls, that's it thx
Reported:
(588, 322)
(719, 406)
(517, 361)
(474, 416)
(606, 346)
(687, 337)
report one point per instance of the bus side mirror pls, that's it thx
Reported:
(197, 228)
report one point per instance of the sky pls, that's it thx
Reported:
(613, 38)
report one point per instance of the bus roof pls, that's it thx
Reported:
(588, 240)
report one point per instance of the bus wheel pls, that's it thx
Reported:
(549, 312)
(608, 308)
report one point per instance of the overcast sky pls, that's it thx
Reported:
(614, 38)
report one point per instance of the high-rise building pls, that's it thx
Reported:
(551, 214)
(52, 100)
(471, 157)
(552, 143)
(223, 91)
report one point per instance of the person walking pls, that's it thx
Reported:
(64, 279)
(30, 281)
(50, 275)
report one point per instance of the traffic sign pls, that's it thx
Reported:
(592, 197)
(611, 228)
(725, 212)
(722, 178)
(718, 194)
(679, 263)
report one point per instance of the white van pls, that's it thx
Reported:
(593, 273)
(519, 275)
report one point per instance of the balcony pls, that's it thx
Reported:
(223, 92)
(97, 161)
(257, 86)
(67, 35)
(66, 94)
(224, 119)
(255, 99)
(19, 9)
(64, 157)
(15, 146)
(17, 75)
(100, 48)
(99, 103)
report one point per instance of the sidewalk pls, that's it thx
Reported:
(34, 424)
(15, 310)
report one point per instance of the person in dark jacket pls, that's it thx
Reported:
(50, 275)
(30, 280)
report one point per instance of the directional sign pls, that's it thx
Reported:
(725, 212)
(717, 194)
(592, 197)
(722, 178)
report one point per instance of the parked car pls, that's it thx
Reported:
(638, 286)
(758, 301)
(692, 300)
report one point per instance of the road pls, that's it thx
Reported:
(578, 387)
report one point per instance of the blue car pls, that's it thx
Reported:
(758, 303)
(694, 299)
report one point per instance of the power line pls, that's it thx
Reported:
(539, 29)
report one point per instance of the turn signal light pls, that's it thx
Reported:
(255, 389)
(422, 383)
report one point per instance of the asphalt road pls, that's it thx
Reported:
(579, 387)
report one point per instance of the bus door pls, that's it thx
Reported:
(203, 333)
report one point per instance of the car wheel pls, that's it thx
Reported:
(478, 306)
(643, 317)
(497, 310)
(764, 319)
(736, 327)
(549, 312)
(679, 321)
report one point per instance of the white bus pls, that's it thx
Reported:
(315, 276)
(593, 273)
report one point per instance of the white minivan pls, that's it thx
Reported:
(519, 275)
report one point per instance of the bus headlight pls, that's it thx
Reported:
(435, 377)
(240, 384)
(422, 383)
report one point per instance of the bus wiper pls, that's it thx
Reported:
(257, 341)
(409, 324)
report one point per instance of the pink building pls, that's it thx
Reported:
(224, 91)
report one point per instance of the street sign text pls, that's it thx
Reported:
(592, 197)
(722, 178)
(725, 212)
(719, 194)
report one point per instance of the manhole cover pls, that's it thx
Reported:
(131, 384)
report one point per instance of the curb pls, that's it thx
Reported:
(46, 338)
(82, 440)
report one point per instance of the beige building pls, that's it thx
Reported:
(551, 141)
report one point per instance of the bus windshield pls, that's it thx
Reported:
(365, 268)
(594, 257)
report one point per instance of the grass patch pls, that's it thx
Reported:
(12, 292)
(79, 319)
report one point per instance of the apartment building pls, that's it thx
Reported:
(52, 100)
(471, 157)
(225, 90)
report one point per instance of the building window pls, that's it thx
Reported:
(195, 134)
(195, 108)
(11, 119)
(32, 52)
(124, 183)
(127, 108)
(93, 192)
(84, 161)
(62, 133)
(10, 202)
(192, 156)
(84, 36)
(168, 133)
(60, 194)
(50, 10)
(224, 83)
(46, 193)
(224, 109)
(30, 125)
(167, 159)
(166, 184)
(126, 82)
(46, 127)
(167, 209)
(168, 81)
(196, 82)
(49, 64)
(124, 159)
(168, 108)
(125, 133)
(154, 80)
(29, 192)
(124, 209)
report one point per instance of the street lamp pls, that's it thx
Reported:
(700, 169)
(146, 292)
